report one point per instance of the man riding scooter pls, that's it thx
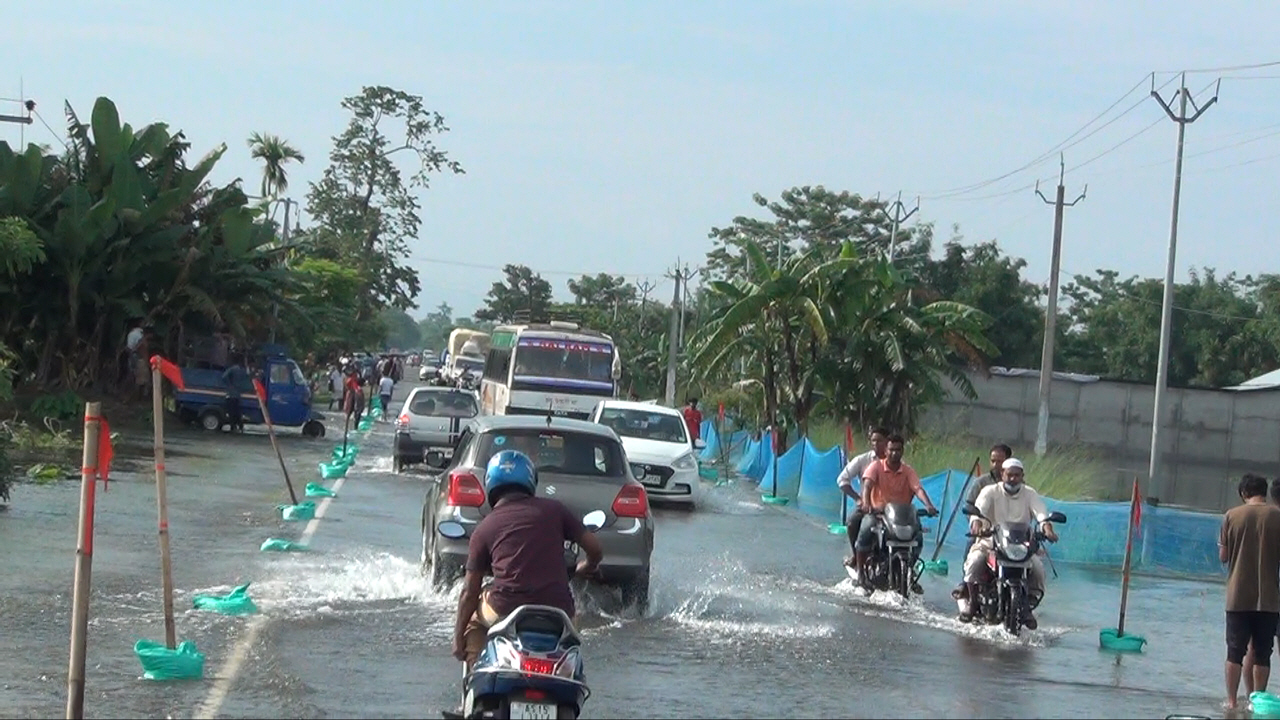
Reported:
(1010, 501)
(886, 481)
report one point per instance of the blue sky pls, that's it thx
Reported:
(612, 136)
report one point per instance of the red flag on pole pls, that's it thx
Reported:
(848, 438)
(169, 370)
(720, 412)
(262, 392)
(105, 451)
(1136, 510)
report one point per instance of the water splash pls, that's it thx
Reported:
(914, 611)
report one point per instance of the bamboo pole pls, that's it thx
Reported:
(162, 505)
(84, 563)
(271, 433)
(1128, 557)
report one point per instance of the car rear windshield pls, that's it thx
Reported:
(557, 451)
(645, 425)
(435, 403)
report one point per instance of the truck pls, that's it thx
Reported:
(203, 401)
(466, 351)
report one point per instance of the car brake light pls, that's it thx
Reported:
(465, 490)
(541, 666)
(632, 501)
(403, 420)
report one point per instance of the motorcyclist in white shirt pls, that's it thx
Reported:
(1011, 500)
(854, 470)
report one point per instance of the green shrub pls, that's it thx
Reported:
(1064, 474)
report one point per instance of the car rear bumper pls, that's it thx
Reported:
(414, 450)
(626, 554)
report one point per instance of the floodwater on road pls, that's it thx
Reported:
(752, 614)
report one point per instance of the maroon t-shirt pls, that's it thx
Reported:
(521, 543)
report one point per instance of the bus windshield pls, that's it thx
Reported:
(563, 360)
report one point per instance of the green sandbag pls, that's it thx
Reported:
(708, 473)
(375, 402)
(304, 510)
(161, 663)
(365, 426)
(1111, 639)
(236, 602)
(318, 490)
(278, 545)
(1264, 704)
(350, 454)
(329, 471)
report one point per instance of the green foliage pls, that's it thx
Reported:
(402, 331)
(364, 208)
(1065, 474)
(62, 406)
(523, 290)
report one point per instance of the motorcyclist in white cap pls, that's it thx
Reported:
(1007, 501)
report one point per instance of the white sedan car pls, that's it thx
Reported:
(657, 445)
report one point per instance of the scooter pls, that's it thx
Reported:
(531, 666)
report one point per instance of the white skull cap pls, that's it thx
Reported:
(1013, 463)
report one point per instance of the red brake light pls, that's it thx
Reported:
(465, 489)
(632, 501)
(541, 666)
(403, 420)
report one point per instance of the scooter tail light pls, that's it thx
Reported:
(538, 666)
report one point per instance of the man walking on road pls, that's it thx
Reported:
(1249, 544)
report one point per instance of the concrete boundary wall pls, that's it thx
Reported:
(1215, 435)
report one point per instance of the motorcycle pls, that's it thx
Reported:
(469, 381)
(1003, 597)
(531, 666)
(895, 563)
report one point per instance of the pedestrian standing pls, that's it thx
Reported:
(1249, 659)
(1249, 544)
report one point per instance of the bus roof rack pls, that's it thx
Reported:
(547, 316)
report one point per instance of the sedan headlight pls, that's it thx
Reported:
(686, 462)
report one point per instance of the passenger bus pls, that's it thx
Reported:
(557, 368)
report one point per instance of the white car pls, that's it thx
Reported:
(658, 448)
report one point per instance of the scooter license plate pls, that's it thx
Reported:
(534, 711)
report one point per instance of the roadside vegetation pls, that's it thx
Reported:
(800, 320)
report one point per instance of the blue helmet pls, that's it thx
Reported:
(509, 469)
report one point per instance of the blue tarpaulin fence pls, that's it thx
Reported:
(1170, 540)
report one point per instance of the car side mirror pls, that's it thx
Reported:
(699, 444)
(594, 520)
(435, 459)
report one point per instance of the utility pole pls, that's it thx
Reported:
(898, 217)
(672, 339)
(645, 287)
(28, 106)
(1166, 308)
(284, 239)
(1051, 307)
(685, 276)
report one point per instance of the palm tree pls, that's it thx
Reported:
(274, 152)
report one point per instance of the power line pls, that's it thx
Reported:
(479, 266)
(1230, 68)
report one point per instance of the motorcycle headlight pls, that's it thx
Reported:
(1016, 553)
(685, 462)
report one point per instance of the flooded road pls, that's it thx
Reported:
(751, 615)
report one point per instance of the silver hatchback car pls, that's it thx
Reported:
(581, 464)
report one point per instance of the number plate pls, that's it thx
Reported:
(537, 711)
